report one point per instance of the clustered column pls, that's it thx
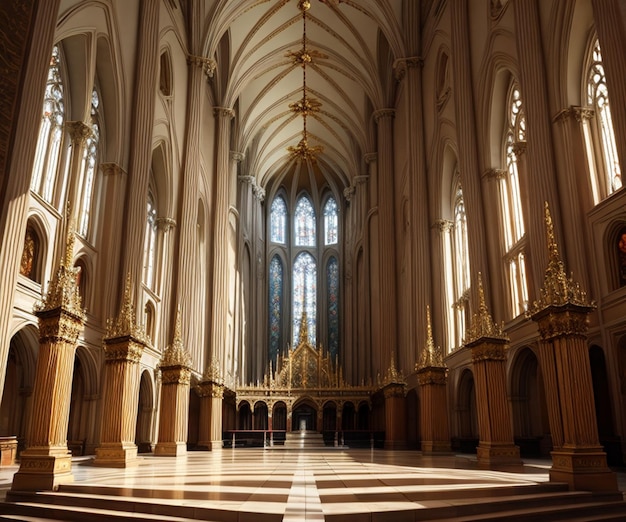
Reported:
(47, 462)
(562, 315)
(488, 345)
(432, 377)
(123, 346)
(174, 409)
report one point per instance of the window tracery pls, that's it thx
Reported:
(89, 165)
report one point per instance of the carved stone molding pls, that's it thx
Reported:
(349, 192)
(165, 223)
(79, 131)
(208, 65)
(401, 65)
(579, 113)
(383, 113)
(519, 148)
(237, 156)
(443, 225)
(495, 174)
(224, 112)
(371, 157)
(111, 169)
(436, 376)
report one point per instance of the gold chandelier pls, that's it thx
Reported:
(305, 106)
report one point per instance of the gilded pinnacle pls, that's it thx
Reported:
(483, 325)
(175, 353)
(393, 375)
(125, 324)
(431, 354)
(63, 291)
(213, 372)
(557, 289)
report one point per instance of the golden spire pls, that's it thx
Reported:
(482, 322)
(557, 289)
(431, 354)
(125, 324)
(213, 372)
(63, 291)
(175, 353)
(303, 336)
(393, 375)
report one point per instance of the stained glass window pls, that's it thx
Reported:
(304, 222)
(331, 222)
(598, 98)
(278, 221)
(621, 252)
(332, 282)
(50, 131)
(304, 295)
(89, 165)
(275, 307)
(461, 266)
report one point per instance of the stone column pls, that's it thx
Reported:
(432, 378)
(488, 344)
(174, 405)
(211, 392)
(123, 345)
(562, 316)
(79, 132)
(47, 462)
(145, 88)
(395, 410)
(538, 181)
(385, 242)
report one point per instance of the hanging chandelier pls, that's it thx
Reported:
(305, 106)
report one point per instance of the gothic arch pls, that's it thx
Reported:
(145, 410)
(466, 411)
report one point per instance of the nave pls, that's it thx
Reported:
(332, 484)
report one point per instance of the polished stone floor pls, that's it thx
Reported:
(313, 485)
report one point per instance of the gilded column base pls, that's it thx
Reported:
(116, 455)
(583, 469)
(170, 449)
(42, 472)
(436, 447)
(492, 454)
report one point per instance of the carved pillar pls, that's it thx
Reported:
(394, 392)
(385, 243)
(145, 88)
(211, 392)
(562, 316)
(174, 405)
(47, 462)
(432, 378)
(488, 344)
(123, 345)
(78, 131)
(538, 181)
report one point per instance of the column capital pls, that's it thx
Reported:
(519, 148)
(224, 112)
(348, 192)
(370, 157)
(579, 113)
(496, 174)
(79, 131)
(237, 156)
(166, 223)
(111, 169)
(208, 65)
(400, 65)
(383, 113)
(443, 225)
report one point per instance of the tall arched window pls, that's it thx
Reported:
(89, 166)
(461, 267)
(332, 307)
(331, 222)
(300, 263)
(149, 254)
(304, 224)
(50, 137)
(275, 307)
(606, 175)
(304, 282)
(511, 203)
(278, 221)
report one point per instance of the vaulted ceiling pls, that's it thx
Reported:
(353, 45)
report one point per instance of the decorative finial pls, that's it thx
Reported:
(557, 289)
(304, 5)
(175, 353)
(482, 322)
(63, 291)
(303, 336)
(431, 355)
(125, 324)
(213, 372)
(393, 375)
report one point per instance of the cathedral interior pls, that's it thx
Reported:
(389, 230)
